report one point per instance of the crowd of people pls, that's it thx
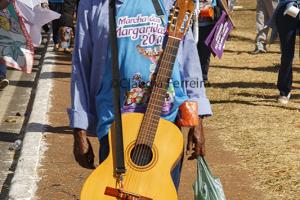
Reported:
(91, 108)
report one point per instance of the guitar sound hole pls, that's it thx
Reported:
(141, 155)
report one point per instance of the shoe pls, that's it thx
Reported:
(3, 83)
(258, 51)
(284, 99)
(68, 51)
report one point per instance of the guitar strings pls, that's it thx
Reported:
(149, 112)
(131, 179)
(163, 72)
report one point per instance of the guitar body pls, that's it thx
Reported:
(152, 180)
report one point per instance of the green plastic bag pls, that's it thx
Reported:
(206, 186)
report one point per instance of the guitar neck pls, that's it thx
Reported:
(159, 90)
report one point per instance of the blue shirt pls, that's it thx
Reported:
(140, 35)
(285, 1)
(282, 3)
(90, 62)
(272, 22)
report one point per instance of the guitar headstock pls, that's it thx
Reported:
(180, 18)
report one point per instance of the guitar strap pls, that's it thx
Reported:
(119, 146)
(157, 7)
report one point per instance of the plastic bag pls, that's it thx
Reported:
(206, 186)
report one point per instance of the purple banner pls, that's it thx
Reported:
(218, 36)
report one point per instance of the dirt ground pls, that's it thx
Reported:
(264, 134)
(253, 143)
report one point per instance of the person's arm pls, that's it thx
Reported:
(81, 67)
(79, 113)
(191, 74)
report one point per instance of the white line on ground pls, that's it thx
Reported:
(24, 182)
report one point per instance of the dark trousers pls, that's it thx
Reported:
(287, 29)
(57, 7)
(3, 71)
(203, 51)
(104, 151)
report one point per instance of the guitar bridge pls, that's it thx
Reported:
(123, 195)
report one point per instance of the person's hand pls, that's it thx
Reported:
(3, 4)
(82, 150)
(196, 141)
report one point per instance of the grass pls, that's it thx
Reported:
(265, 134)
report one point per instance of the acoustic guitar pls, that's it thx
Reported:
(152, 145)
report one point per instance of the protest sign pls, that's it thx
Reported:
(16, 48)
(218, 36)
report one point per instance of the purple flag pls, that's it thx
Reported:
(217, 37)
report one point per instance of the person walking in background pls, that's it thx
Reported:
(3, 81)
(210, 11)
(66, 21)
(264, 12)
(57, 6)
(287, 27)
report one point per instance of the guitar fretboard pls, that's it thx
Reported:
(159, 90)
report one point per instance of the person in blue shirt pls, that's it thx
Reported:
(91, 105)
(287, 27)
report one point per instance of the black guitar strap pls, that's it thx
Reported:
(119, 146)
(157, 7)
